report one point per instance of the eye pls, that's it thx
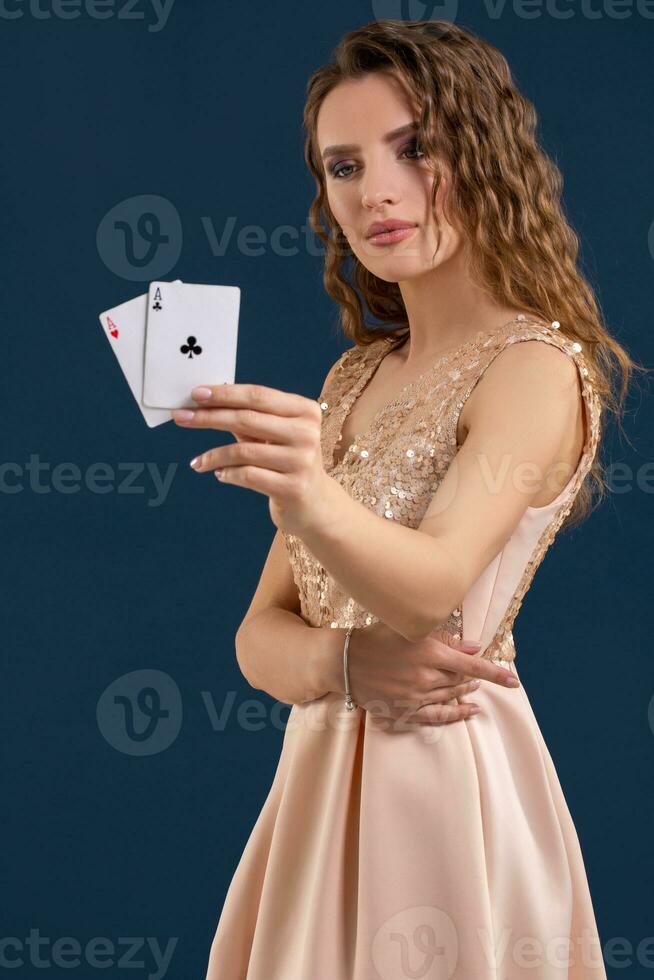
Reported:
(337, 170)
(415, 146)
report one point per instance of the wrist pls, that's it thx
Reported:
(327, 667)
(326, 513)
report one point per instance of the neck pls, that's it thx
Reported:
(446, 308)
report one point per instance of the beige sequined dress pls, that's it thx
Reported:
(445, 853)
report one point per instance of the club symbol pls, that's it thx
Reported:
(157, 306)
(190, 347)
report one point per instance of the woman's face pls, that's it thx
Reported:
(373, 174)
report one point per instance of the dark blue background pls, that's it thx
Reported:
(207, 113)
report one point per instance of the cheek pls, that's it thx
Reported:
(341, 206)
(426, 182)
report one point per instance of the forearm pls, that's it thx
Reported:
(292, 662)
(395, 572)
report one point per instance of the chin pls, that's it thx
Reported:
(397, 270)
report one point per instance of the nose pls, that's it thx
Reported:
(374, 199)
(377, 188)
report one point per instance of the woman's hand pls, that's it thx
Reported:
(277, 450)
(416, 682)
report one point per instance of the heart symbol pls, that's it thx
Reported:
(113, 329)
(114, 332)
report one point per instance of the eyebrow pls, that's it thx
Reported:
(353, 147)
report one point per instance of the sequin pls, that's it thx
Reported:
(324, 406)
(410, 445)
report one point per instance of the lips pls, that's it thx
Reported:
(384, 227)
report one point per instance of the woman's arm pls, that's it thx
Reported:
(413, 578)
(276, 650)
(280, 654)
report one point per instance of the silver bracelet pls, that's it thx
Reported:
(349, 703)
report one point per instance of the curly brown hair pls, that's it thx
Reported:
(505, 191)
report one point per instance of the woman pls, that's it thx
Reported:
(403, 836)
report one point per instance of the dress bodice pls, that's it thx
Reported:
(395, 467)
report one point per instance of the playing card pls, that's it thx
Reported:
(191, 337)
(124, 327)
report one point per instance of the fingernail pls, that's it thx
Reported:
(470, 645)
(195, 462)
(201, 393)
(183, 414)
(475, 710)
(512, 681)
(218, 474)
(475, 683)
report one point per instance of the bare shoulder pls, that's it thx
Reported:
(531, 376)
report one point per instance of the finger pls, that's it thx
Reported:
(248, 423)
(471, 665)
(441, 694)
(444, 714)
(269, 457)
(263, 481)
(259, 397)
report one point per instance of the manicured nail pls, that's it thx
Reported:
(218, 474)
(512, 681)
(470, 645)
(183, 414)
(200, 394)
(195, 462)
(475, 710)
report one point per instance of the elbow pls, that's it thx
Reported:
(242, 661)
(417, 628)
(427, 622)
